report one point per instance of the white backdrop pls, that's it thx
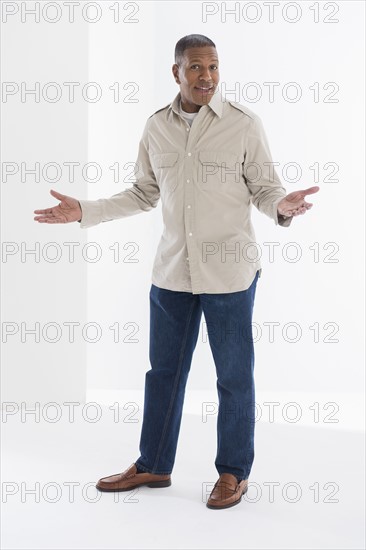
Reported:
(323, 289)
(41, 290)
(308, 315)
(316, 139)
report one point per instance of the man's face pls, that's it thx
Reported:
(197, 76)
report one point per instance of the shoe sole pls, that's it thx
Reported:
(152, 484)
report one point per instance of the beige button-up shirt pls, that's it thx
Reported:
(207, 175)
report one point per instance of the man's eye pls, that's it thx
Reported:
(212, 67)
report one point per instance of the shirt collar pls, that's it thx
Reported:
(215, 103)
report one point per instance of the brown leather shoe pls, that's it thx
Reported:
(129, 479)
(227, 492)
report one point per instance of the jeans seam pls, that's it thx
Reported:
(174, 391)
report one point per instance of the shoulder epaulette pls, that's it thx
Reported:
(162, 108)
(242, 108)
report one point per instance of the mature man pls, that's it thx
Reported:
(208, 160)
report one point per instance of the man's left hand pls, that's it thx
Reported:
(295, 203)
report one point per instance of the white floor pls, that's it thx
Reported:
(318, 468)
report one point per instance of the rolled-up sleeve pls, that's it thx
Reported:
(141, 197)
(260, 174)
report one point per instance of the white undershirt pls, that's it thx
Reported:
(189, 117)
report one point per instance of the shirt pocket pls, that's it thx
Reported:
(219, 169)
(166, 170)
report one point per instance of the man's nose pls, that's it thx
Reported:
(205, 74)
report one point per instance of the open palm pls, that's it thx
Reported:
(68, 210)
(294, 203)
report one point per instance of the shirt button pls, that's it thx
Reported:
(188, 206)
(189, 154)
(188, 181)
(190, 234)
(187, 129)
(187, 258)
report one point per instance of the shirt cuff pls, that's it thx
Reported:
(91, 213)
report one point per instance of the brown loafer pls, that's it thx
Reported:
(130, 478)
(227, 492)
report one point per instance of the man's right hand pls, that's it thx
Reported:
(68, 210)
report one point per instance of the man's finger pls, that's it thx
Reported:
(49, 220)
(43, 211)
(45, 216)
(311, 190)
(56, 194)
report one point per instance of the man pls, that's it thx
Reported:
(208, 160)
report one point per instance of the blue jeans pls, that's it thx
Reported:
(174, 326)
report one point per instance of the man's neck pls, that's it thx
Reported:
(187, 108)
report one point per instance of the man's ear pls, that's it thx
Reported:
(175, 71)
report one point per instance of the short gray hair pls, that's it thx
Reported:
(190, 41)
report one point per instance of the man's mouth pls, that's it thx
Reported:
(204, 88)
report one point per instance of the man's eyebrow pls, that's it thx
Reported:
(195, 59)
